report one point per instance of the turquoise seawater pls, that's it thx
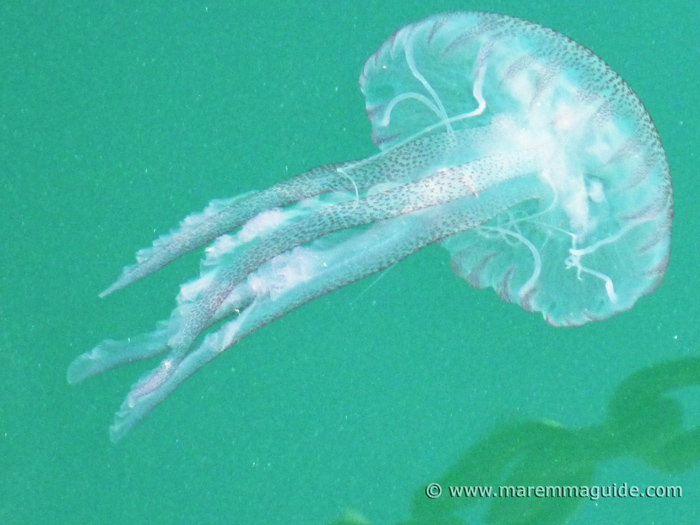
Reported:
(118, 119)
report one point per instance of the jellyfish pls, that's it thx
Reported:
(510, 145)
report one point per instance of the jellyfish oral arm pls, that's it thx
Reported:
(444, 186)
(303, 274)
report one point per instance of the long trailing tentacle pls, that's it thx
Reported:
(224, 216)
(445, 186)
(296, 277)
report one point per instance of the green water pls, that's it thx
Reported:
(119, 119)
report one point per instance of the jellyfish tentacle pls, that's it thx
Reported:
(223, 216)
(301, 275)
(447, 185)
(220, 217)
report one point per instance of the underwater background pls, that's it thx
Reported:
(118, 119)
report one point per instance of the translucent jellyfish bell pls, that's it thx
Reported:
(602, 238)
